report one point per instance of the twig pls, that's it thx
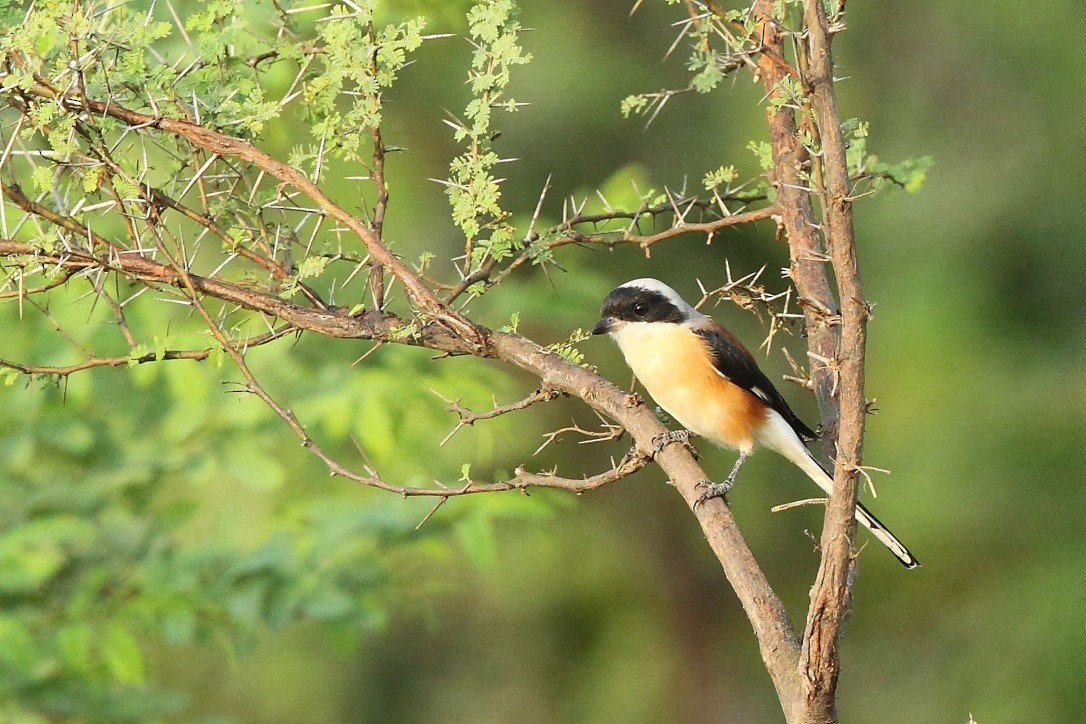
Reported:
(270, 265)
(609, 432)
(467, 417)
(565, 234)
(645, 241)
(797, 503)
(91, 362)
(377, 272)
(61, 279)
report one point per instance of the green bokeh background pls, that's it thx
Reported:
(609, 607)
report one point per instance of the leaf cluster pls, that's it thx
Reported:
(472, 187)
(101, 555)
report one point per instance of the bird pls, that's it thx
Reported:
(703, 377)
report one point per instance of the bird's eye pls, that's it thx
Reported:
(641, 309)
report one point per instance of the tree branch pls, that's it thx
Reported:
(197, 355)
(832, 591)
(229, 146)
(801, 227)
(468, 418)
(565, 234)
(839, 381)
(779, 645)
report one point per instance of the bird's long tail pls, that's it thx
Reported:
(779, 436)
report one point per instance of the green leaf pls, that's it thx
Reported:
(634, 105)
(312, 266)
(514, 322)
(764, 151)
(43, 177)
(723, 175)
(137, 353)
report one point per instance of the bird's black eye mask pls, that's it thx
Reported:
(634, 304)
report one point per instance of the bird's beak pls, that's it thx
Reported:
(605, 325)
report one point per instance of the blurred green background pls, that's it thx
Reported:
(608, 607)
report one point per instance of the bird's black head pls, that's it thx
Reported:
(642, 300)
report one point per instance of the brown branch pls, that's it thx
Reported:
(832, 591)
(778, 643)
(222, 144)
(197, 355)
(836, 338)
(24, 202)
(645, 241)
(800, 224)
(332, 322)
(118, 312)
(683, 227)
(564, 234)
(377, 272)
(270, 265)
(609, 432)
(656, 210)
(23, 292)
(769, 53)
(747, 293)
(468, 418)
(523, 479)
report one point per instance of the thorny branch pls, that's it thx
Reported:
(93, 361)
(747, 293)
(468, 418)
(679, 207)
(833, 587)
(836, 339)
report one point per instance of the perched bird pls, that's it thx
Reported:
(702, 376)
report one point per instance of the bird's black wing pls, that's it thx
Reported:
(736, 364)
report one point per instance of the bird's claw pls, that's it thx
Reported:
(659, 442)
(713, 490)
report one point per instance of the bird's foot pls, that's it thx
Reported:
(659, 442)
(666, 438)
(713, 490)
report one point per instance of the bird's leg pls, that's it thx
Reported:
(720, 490)
(659, 442)
(735, 469)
